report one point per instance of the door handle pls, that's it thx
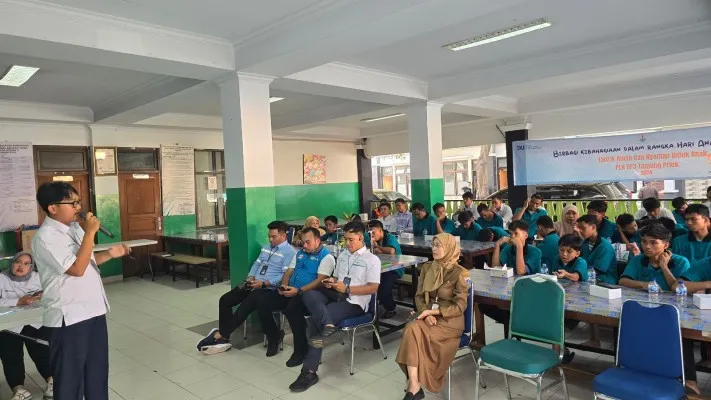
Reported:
(159, 223)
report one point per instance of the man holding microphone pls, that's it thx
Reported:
(74, 299)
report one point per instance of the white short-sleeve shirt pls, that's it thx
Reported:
(362, 267)
(66, 298)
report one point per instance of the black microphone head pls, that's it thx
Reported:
(82, 214)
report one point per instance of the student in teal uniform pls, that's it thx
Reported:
(488, 218)
(442, 223)
(695, 245)
(598, 252)
(331, 236)
(424, 223)
(656, 262)
(679, 204)
(549, 245)
(627, 232)
(492, 234)
(671, 225)
(532, 210)
(467, 229)
(568, 264)
(382, 242)
(605, 227)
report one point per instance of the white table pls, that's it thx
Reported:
(12, 317)
(129, 243)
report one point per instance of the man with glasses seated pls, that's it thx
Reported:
(346, 295)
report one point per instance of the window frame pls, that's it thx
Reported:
(220, 174)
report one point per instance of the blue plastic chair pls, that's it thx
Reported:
(645, 369)
(466, 339)
(351, 326)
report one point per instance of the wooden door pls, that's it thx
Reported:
(80, 182)
(503, 178)
(141, 213)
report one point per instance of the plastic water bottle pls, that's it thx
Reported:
(592, 276)
(424, 232)
(653, 289)
(681, 293)
(544, 269)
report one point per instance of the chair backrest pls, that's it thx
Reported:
(290, 234)
(650, 339)
(468, 333)
(538, 309)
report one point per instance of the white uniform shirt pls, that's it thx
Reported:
(389, 224)
(66, 298)
(362, 267)
(641, 213)
(506, 214)
(11, 291)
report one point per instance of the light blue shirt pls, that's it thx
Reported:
(404, 221)
(272, 263)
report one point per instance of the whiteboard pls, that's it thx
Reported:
(18, 204)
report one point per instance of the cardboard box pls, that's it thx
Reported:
(702, 301)
(605, 293)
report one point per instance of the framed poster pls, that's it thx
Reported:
(104, 161)
(314, 169)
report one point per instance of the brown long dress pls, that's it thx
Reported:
(432, 348)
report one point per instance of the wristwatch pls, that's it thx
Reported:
(264, 285)
(299, 291)
(348, 289)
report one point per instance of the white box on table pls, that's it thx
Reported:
(428, 239)
(702, 301)
(406, 235)
(605, 293)
(499, 272)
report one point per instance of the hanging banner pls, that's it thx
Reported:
(178, 178)
(680, 154)
(18, 204)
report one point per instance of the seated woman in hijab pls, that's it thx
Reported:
(567, 224)
(311, 222)
(430, 342)
(20, 286)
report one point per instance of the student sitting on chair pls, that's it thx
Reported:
(514, 253)
(530, 212)
(695, 245)
(671, 225)
(382, 242)
(501, 209)
(430, 342)
(346, 295)
(20, 286)
(467, 229)
(627, 233)
(424, 223)
(492, 234)
(679, 204)
(264, 277)
(468, 205)
(652, 209)
(487, 217)
(389, 222)
(605, 228)
(331, 235)
(549, 245)
(442, 223)
(403, 217)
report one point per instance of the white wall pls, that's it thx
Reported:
(341, 161)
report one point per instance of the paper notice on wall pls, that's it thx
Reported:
(178, 179)
(18, 205)
(211, 183)
(211, 198)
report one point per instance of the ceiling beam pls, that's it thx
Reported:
(488, 107)
(44, 30)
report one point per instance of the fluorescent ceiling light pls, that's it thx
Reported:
(275, 99)
(382, 118)
(17, 75)
(499, 35)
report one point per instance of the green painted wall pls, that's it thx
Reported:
(7, 246)
(301, 201)
(428, 192)
(179, 223)
(109, 212)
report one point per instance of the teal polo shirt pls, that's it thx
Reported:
(606, 228)
(499, 232)
(531, 218)
(447, 226)
(694, 250)
(579, 266)
(531, 256)
(601, 256)
(389, 240)
(495, 221)
(679, 217)
(680, 230)
(636, 238)
(699, 271)
(639, 269)
(428, 223)
(468, 234)
(549, 249)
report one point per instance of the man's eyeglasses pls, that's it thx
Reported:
(74, 204)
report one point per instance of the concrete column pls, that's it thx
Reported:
(425, 136)
(517, 194)
(249, 167)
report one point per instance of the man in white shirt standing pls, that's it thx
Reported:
(74, 299)
(389, 222)
(346, 295)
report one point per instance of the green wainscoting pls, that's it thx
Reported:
(179, 223)
(109, 212)
(428, 192)
(301, 201)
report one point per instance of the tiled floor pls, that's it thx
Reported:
(153, 357)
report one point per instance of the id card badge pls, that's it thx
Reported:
(347, 281)
(264, 269)
(435, 306)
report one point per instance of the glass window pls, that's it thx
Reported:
(62, 160)
(210, 184)
(137, 160)
(203, 161)
(456, 177)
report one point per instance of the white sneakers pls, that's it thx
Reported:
(21, 394)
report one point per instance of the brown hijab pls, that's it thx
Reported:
(434, 279)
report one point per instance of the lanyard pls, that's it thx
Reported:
(350, 264)
(271, 253)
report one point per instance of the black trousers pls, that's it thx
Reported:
(385, 290)
(296, 312)
(687, 347)
(79, 360)
(270, 302)
(247, 300)
(12, 354)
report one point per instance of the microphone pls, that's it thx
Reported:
(101, 228)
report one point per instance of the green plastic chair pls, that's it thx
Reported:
(537, 313)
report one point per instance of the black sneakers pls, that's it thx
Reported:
(303, 382)
(417, 396)
(295, 360)
(273, 345)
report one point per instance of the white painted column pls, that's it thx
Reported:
(425, 137)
